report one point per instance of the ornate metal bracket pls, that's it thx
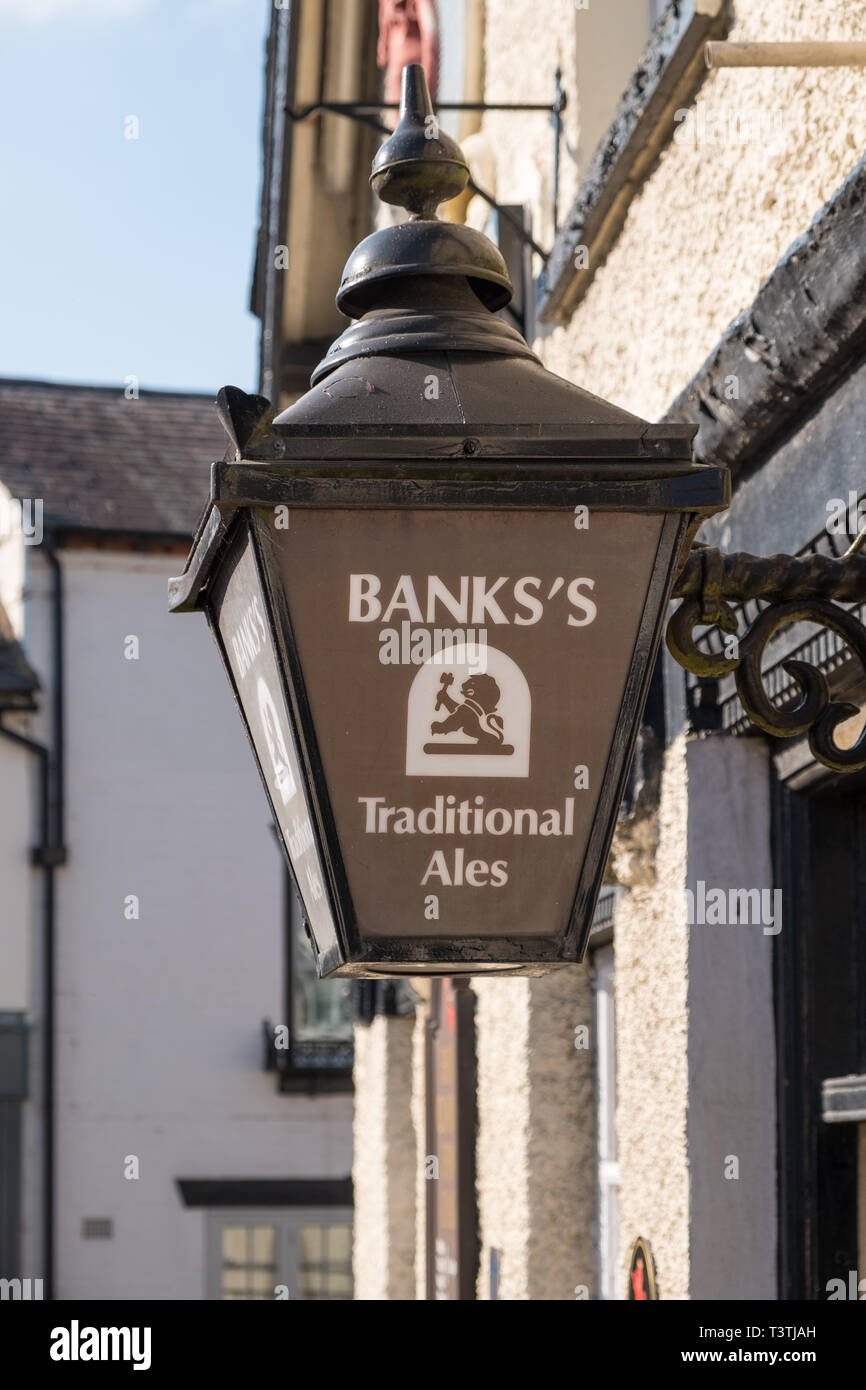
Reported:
(368, 112)
(796, 589)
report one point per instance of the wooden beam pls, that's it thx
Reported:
(723, 54)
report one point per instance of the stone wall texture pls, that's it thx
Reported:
(651, 964)
(536, 1144)
(503, 1175)
(384, 1162)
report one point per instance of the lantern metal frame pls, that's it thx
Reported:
(443, 467)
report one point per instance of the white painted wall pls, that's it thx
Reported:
(159, 1051)
(19, 784)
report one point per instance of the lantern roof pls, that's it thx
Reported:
(427, 347)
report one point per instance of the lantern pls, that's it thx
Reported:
(438, 582)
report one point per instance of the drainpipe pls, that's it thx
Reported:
(48, 855)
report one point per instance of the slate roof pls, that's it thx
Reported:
(100, 462)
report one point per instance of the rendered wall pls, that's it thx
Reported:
(385, 1161)
(536, 1143)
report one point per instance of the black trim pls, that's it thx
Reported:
(789, 837)
(696, 490)
(328, 954)
(293, 1075)
(243, 542)
(10, 1189)
(266, 1192)
(819, 865)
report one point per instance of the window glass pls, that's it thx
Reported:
(610, 38)
(325, 1262)
(299, 1253)
(321, 1025)
(248, 1262)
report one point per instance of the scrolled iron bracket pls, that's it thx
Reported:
(796, 589)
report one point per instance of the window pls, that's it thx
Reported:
(503, 227)
(610, 39)
(315, 1050)
(320, 1020)
(301, 1252)
(325, 1265)
(248, 1262)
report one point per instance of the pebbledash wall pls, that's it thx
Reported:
(695, 1046)
(695, 1052)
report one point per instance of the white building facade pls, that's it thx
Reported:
(157, 1158)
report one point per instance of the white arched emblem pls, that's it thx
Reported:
(469, 716)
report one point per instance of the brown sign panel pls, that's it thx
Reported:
(464, 672)
(246, 640)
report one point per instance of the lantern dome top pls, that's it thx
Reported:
(417, 168)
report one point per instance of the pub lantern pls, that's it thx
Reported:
(438, 583)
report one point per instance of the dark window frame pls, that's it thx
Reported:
(296, 1073)
(817, 1163)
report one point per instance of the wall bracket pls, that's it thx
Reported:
(795, 589)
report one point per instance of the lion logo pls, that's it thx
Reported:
(475, 716)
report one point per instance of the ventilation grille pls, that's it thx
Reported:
(97, 1228)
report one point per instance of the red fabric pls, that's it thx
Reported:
(408, 33)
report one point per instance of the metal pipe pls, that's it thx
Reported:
(370, 108)
(723, 54)
(556, 118)
(471, 185)
(366, 113)
(57, 801)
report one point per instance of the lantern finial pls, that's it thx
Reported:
(419, 166)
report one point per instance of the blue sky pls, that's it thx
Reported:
(125, 257)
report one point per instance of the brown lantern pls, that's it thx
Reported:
(438, 583)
